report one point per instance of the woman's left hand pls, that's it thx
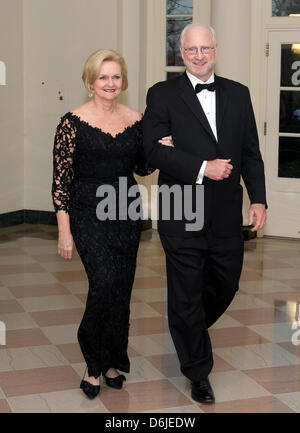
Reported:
(167, 141)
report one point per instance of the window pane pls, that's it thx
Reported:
(290, 65)
(283, 8)
(173, 74)
(174, 28)
(289, 157)
(290, 111)
(175, 7)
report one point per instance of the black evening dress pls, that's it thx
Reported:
(85, 158)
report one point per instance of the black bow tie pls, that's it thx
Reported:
(211, 87)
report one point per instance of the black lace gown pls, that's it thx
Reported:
(85, 158)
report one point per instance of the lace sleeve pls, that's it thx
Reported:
(141, 166)
(64, 146)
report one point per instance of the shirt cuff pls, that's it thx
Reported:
(199, 179)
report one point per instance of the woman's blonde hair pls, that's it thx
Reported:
(94, 62)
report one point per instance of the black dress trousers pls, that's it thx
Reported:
(203, 276)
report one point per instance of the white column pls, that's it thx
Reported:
(129, 47)
(231, 20)
(202, 11)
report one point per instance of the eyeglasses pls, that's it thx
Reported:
(192, 51)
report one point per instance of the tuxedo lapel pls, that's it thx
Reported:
(189, 96)
(221, 102)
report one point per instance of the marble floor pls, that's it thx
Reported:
(256, 343)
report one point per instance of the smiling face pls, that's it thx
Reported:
(108, 84)
(198, 64)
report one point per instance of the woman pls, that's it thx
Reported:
(95, 145)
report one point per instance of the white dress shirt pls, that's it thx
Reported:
(207, 100)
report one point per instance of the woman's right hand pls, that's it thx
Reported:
(65, 246)
(167, 141)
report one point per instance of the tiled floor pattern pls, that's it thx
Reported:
(256, 351)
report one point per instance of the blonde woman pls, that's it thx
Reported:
(97, 145)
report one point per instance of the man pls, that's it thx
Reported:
(215, 142)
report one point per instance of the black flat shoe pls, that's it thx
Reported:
(202, 392)
(91, 391)
(115, 382)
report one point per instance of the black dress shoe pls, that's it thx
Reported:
(115, 382)
(202, 392)
(91, 391)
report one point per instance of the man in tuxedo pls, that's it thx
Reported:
(215, 142)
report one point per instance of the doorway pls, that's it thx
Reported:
(282, 152)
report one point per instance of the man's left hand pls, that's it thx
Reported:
(258, 211)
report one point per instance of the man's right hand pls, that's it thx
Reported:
(218, 169)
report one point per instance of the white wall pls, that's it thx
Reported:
(11, 107)
(58, 37)
(44, 44)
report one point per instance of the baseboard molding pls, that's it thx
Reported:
(27, 216)
(12, 218)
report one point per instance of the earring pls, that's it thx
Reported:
(91, 94)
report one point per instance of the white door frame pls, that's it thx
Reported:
(262, 23)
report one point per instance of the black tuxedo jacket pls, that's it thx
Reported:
(174, 109)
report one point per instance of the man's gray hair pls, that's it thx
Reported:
(192, 25)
